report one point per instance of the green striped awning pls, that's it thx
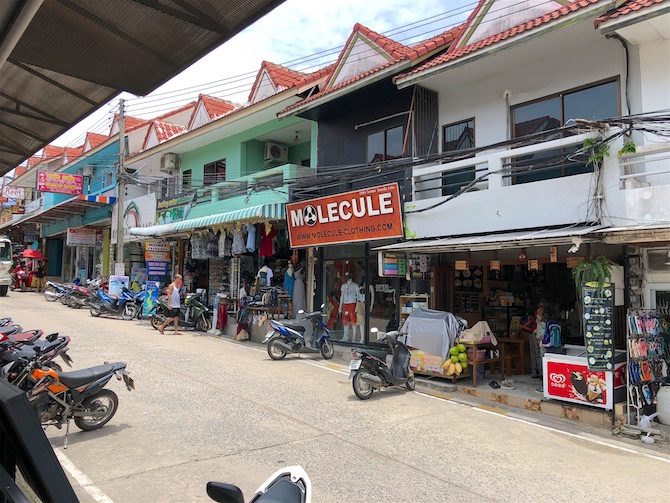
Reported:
(272, 211)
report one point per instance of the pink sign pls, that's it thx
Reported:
(62, 183)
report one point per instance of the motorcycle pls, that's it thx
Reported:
(369, 371)
(288, 485)
(22, 352)
(290, 336)
(54, 291)
(58, 397)
(192, 313)
(104, 303)
(15, 333)
(79, 294)
(21, 279)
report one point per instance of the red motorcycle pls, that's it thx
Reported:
(21, 278)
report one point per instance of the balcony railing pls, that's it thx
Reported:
(648, 166)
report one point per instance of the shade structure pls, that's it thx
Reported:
(271, 211)
(36, 254)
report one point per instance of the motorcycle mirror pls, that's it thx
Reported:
(224, 493)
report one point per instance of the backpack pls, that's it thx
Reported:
(552, 335)
(529, 324)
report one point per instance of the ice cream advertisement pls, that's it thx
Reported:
(576, 382)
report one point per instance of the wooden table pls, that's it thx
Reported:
(518, 354)
(474, 361)
(274, 311)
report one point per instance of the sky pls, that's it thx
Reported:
(288, 35)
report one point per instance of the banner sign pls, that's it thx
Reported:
(598, 309)
(11, 192)
(81, 237)
(173, 209)
(62, 183)
(157, 251)
(117, 284)
(157, 267)
(361, 215)
(151, 297)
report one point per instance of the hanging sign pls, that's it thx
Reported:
(173, 209)
(81, 237)
(361, 215)
(11, 192)
(157, 251)
(157, 268)
(61, 183)
(598, 309)
(394, 265)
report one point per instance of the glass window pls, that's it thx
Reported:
(5, 251)
(215, 172)
(394, 141)
(595, 102)
(386, 145)
(457, 136)
(376, 147)
(186, 180)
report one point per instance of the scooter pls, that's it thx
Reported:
(288, 485)
(22, 279)
(192, 313)
(369, 370)
(291, 336)
(104, 303)
(54, 291)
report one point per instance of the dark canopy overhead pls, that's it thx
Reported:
(60, 60)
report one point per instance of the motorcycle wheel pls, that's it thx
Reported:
(50, 294)
(157, 320)
(274, 351)
(410, 383)
(362, 388)
(128, 312)
(54, 366)
(327, 349)
(70, 302)
(94, 312)
(3, 290)
(203, 324)
(105, 402)
(63, 299)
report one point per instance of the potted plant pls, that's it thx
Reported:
(596, 270)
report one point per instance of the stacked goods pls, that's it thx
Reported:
(457, 360)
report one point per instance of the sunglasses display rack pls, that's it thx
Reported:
(648, 359)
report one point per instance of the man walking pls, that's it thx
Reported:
(174, 303)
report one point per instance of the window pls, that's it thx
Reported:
(215, 172)
(186, 180)
(457, 136)
(386, 145)
(597, 101)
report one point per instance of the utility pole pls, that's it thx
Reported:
(120, 185)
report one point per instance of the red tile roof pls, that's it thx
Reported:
(628, 7)
(215, 106)
(164, 131)
(32, 161)
(95, 139)
(51, 151)
(19, 170)
(73, 152)
(395, 50)
(281, 77)
(455, 52)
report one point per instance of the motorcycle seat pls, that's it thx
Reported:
(81, 377)
(294, 326)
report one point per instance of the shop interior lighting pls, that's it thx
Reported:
(533, 265)
(494, 265)
(296, 140)
(461, 265)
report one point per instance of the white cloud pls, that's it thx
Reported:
(293, 31)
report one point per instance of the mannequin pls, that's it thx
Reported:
(360, 308)
(265, 275)
(348, 298)
(298, 300)
(289, 279)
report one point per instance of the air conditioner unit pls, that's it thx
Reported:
(169, 163)
(88, 170)
(275, 152)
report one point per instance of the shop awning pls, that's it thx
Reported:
(499, 241)
(644, 233)
(272, 211)
(153, 230)
(62, 211)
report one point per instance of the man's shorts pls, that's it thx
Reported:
(349, 314)
(173, 313)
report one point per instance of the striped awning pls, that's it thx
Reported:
(272, 211)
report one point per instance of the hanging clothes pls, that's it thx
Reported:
(222, 244)
(289, 280)
(298, 299)
(251, 237)
(267, 235)
(239, 246)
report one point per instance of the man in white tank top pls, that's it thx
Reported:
(174, 303)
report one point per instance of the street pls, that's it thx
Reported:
(207, 408)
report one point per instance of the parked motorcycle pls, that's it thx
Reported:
(21, 278)
(54, 291)
(291, 336)
(22, 352)
(104, 303)
(193, 313)
(14, 333)
(58, 397)
(369, 370)
(288, 485)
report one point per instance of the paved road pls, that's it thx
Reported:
(207, 408)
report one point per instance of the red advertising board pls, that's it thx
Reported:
(360, 215)
(62, 183)
(577, 383)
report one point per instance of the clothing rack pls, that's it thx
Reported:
(647, 357)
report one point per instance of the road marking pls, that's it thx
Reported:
(491, 409)
(86, 483)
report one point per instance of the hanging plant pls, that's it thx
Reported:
(598, 270)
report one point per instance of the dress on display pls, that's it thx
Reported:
(289, 281)
(298, 300)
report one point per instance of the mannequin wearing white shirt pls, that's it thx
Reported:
(361, 305)
(348, 298)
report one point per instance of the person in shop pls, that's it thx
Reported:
(40, 275)
(530, 328)
(264, 277)
(243, 317)
(348, 298)
(543, 334)
(174, 304)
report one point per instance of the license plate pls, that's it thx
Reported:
(355, 364)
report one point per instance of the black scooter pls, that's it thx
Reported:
(369, 371)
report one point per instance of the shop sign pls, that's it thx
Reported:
(598, 309)
(576, 383)
(173, 209)
(117, 283)
(80, 237)
(11, 192)
(157, 268)
(18, 209)
(151, 297)
(61, 183)
(361, 215)
(157, 251)
(394, 265)
(139, 275)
